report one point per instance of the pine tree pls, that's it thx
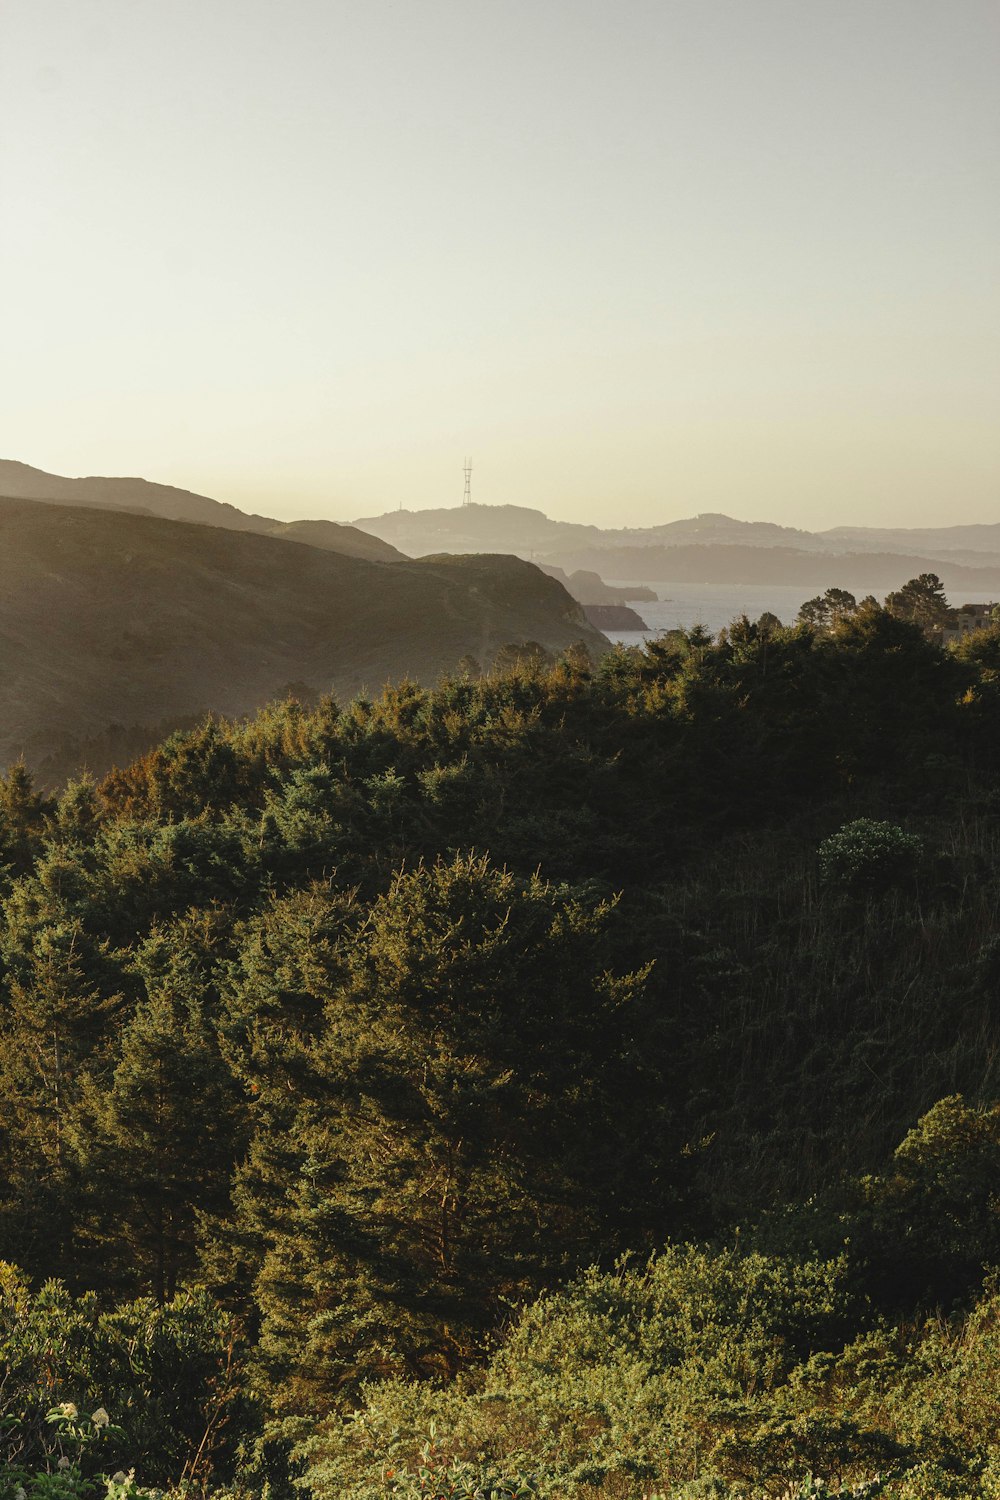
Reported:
(156, 1145)
(468, 1116)
(22, 818)
(51, 1026)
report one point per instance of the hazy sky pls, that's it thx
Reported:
(639, 258)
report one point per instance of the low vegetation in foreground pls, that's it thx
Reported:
(571, 1082)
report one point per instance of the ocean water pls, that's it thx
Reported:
(710, 604)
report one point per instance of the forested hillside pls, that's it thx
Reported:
(568, 1082)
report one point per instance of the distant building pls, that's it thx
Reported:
(966, 619)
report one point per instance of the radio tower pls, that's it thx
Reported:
(467, 497)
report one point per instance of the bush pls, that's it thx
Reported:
(868, 857)
(171, 1376)
(622, 1384)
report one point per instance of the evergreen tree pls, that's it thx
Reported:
(922, 600)
(51, 1026)
(156, 1144)
(478, 1106)
(22, 818)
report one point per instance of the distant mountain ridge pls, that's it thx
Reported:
(960, 542)
(477, 528)
(707, 548)
(518, 529)
(20, 481)
(523, 529)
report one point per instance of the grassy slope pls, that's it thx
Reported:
(117, 617)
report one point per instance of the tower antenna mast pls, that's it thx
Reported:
(467, 497)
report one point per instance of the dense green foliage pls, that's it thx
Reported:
(337, 1045)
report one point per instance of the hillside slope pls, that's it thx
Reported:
(142, 497)
(334, 537)
(109, 617)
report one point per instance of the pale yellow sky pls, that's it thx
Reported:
(640, 259)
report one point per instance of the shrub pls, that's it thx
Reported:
(172, 1376)
(868, 857)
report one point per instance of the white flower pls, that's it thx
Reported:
(100, 1417)
(120, 1477)
(63, 1463)
(69, 1410)
(20, 1494)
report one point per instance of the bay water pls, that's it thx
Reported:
(682, 605)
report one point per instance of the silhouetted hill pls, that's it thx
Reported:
(960, 543)
(141, 497)
(590, 588)
(711, 528)
(477, 528)
(614, 617)
(517, 529)
(336, 538)
(108, 617)
(530, 533)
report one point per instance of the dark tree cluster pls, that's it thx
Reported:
(333, 1040)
